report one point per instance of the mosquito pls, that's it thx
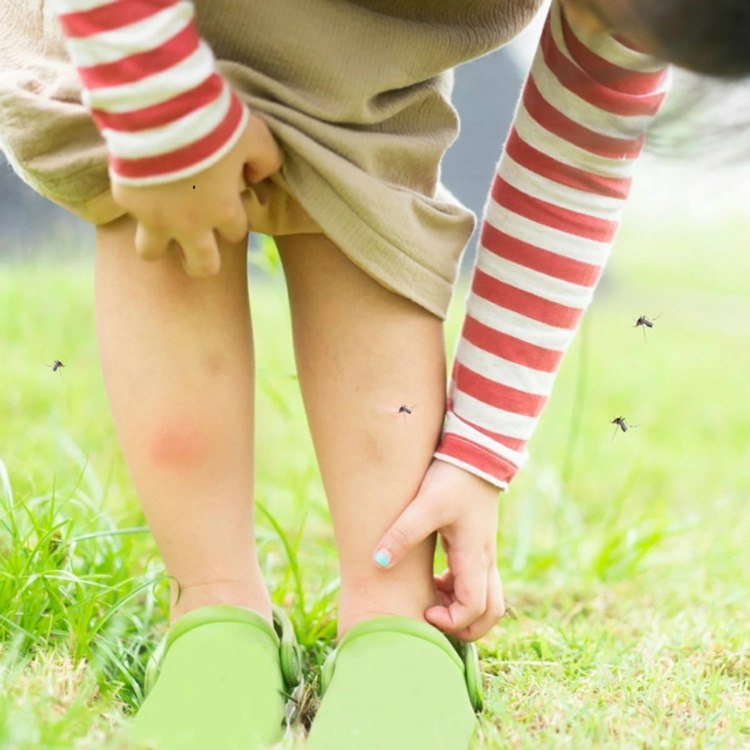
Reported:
(56, 365)
(644, 322)
(405, 411)
(620, 424)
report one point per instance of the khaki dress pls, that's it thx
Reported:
(357, 93)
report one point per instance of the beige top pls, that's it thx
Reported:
(357, 92)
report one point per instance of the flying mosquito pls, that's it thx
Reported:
(56, 365)
(621, 424)
(405, 411)
(644, 322)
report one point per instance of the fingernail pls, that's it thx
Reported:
(382, 558)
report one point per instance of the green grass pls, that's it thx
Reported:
(624, 559)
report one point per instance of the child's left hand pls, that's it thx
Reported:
(175, 212)
(462, 507)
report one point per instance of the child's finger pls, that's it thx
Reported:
(234, 228)
(444, 599)
(444, 581)
(470, 597)
(149, 245)
(262, 156)
(444, 587)
(201, 256)
(492, 614)
(413, 526)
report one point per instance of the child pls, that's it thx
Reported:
(323, 124)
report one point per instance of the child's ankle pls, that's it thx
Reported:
(365, 602)
(252, 596)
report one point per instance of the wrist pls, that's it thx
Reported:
(466, 482)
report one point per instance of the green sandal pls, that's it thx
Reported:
(395, 683)
(220, 678)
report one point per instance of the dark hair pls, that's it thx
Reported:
(706, 36)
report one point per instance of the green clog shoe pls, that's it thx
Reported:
(395, 683)
(219, 679)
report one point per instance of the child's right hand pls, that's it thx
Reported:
(193, 210)
(462, 508)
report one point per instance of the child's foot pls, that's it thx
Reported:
(219, 683)
(396, 684)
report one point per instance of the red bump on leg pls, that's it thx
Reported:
(178, 445)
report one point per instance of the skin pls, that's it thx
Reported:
(184, 411)
(612, 17)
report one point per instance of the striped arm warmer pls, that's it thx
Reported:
(550, 221)
(152, 87)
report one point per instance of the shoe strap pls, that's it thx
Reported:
(470, 657)
(290, 654)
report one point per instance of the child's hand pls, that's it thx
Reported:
(193, 210)
(463, 509)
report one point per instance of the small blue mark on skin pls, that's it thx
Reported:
(382, 558)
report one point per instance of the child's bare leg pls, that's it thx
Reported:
(177, 357)
(362, 353)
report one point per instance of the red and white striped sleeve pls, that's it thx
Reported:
(554, 209)
(152, 87)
